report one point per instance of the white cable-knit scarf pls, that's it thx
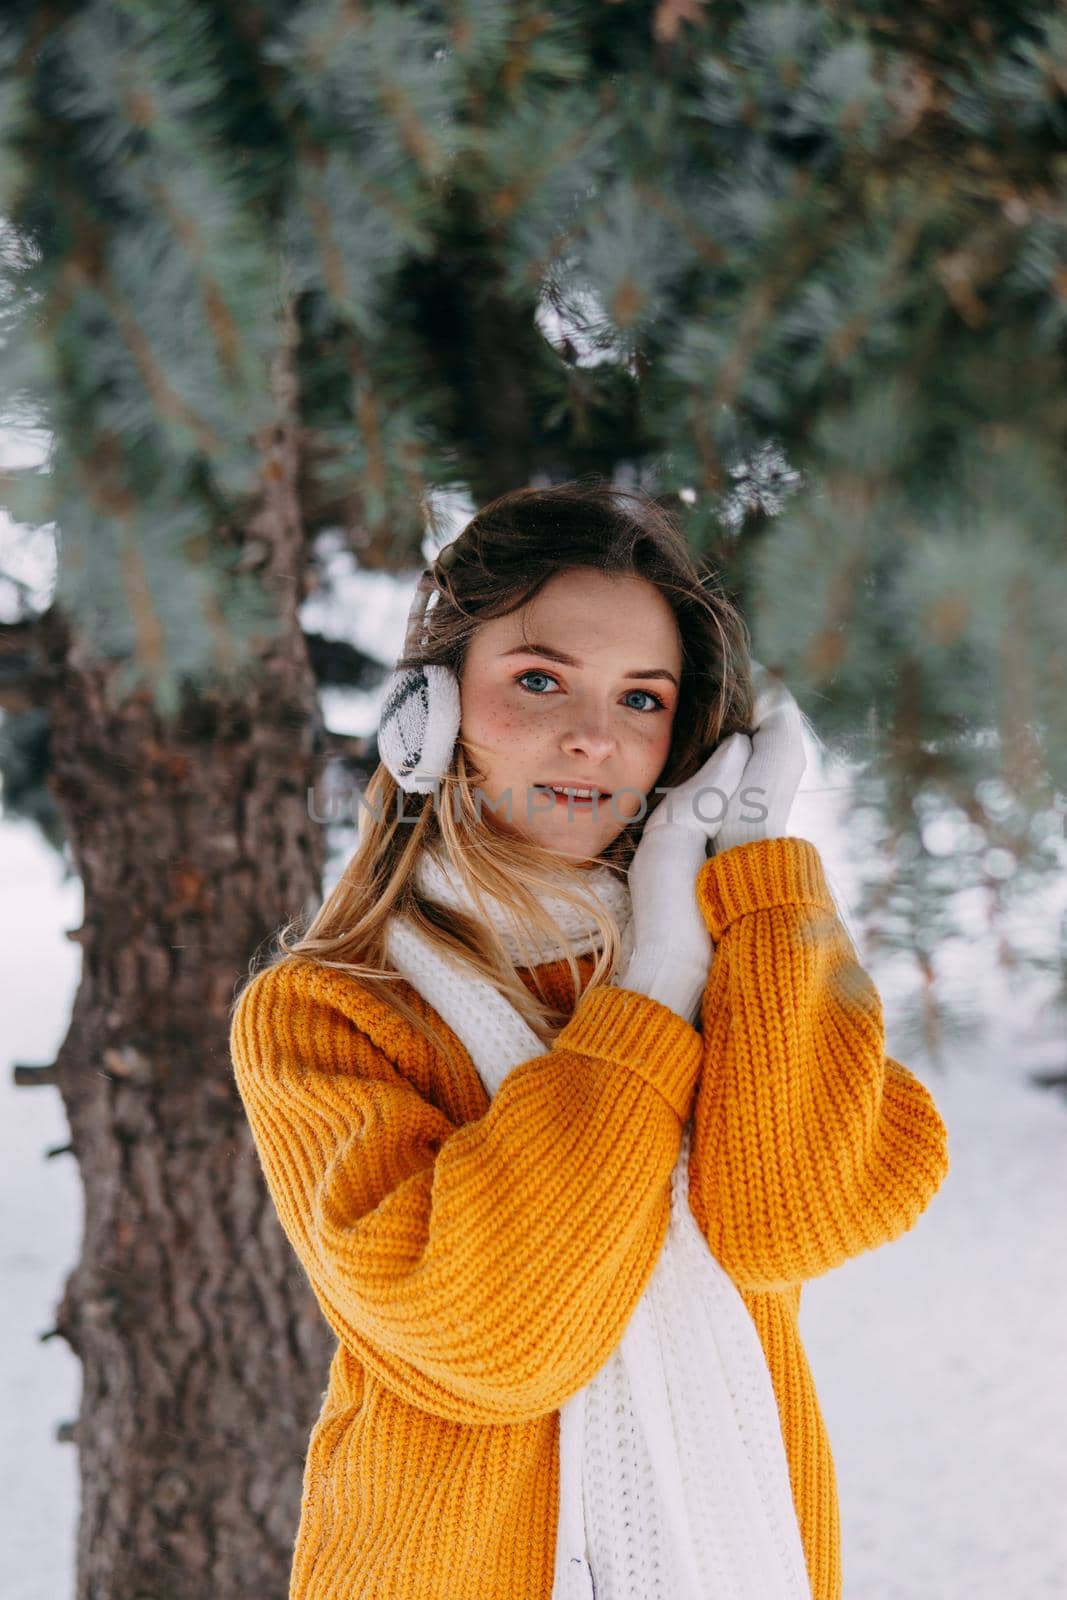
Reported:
(674, 1483)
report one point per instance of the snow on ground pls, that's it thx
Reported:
(938, 1359)
(939, 1363)
(40, 1222)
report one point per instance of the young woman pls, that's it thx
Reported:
(558, 1111)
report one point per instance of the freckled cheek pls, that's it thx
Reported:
(654, 756)
(495, 723)
(655, 747)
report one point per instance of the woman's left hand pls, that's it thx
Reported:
(774, 769)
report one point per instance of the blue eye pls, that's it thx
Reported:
(658, 704)
(533, 672)
(536, 672)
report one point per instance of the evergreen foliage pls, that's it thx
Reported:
(802, 266)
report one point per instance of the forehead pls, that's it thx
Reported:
(588, 613)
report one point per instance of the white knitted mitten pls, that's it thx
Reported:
(759, 807)
(672, 947)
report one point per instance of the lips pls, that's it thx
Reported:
(574, 783)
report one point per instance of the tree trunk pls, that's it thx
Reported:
(204, 1353)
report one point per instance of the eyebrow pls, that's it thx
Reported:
(552, 654)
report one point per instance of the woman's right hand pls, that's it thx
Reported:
(672, 947)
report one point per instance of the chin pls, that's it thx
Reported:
(581, 850)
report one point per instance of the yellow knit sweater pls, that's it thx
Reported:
(479, 1261)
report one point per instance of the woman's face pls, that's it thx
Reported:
(600, 718)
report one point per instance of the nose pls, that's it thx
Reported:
(589, 738)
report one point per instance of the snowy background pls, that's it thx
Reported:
(939, 1359)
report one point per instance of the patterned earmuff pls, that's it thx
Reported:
(420, 715)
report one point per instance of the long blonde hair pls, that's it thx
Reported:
(508, 551)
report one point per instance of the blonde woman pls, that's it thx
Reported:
(559, 1111)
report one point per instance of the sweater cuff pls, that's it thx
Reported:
(765, 872)
(632, 1029)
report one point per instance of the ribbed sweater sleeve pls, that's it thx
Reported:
(484, 1271)
(810, 1144)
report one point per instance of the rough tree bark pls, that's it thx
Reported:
(204, 1355)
